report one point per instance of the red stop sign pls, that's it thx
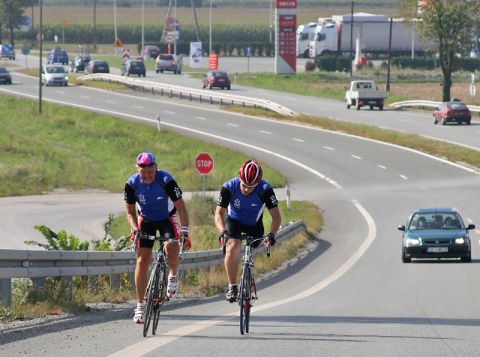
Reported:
(204, 163)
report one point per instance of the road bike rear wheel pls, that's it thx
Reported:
(152, 292)
(160, 294)
(245, 298)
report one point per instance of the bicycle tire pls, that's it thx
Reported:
(152, 283)
(244, 301)
(161, 292)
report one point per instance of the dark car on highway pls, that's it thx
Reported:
(5, 76)
(216, 79)
(133, 67)
(150, 52)
(57, 55)
(79, 62)
(452, 112)
(97, 66)
(436, 233)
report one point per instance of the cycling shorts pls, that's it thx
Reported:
(235, 230)
(165, 227)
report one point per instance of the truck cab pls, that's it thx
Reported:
(323, 40)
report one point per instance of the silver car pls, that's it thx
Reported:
(54, 75)
(168, 62)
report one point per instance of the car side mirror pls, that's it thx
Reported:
(437, 108)
(401, 228)
(470, 226)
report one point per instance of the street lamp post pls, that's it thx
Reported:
(210, 43)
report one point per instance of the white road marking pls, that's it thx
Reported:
(356, 157)
(329, 148)
(382, 167)
(231, 124)
(299, 140)
(404, 177)
(265, 132)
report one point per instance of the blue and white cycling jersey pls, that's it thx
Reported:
(155, 201)
(248, 209)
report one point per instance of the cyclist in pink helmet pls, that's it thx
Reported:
(239, 210)
(152, 199)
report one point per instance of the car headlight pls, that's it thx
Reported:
(413, 241)
(459, 241)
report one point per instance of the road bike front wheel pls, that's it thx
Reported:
(245, 298)
(152, 292)
(160, 298)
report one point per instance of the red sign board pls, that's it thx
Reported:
(213, 62)
(204, 163)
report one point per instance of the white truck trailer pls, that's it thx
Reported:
(371, 31)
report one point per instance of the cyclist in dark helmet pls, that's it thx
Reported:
(239, 210)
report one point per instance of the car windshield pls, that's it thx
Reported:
(166, 57)
(436, 220)
(219, 74)
(7, 48)
(58, 69)
(3, 70)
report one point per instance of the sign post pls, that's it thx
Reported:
(204, 165)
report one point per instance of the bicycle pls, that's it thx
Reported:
(248, 288)
(156, 292)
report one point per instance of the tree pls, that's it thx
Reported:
(11, 15)
(450, 24)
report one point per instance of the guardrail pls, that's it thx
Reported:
(189, 93)
(39, 264)
(428, 104)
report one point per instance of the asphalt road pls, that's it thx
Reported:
(349, 294)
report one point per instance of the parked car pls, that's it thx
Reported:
(452, 112)
(54, 75)
(435, 233)
(79, 62)
(133, 67)
(150, 52)
(5, 76)
(216, 79)
(57, 55)
(97, 66)
(7, 51)
(168, 62)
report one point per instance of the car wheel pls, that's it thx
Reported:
(435, 120)
(358, 107)
(180, 72)
(228, 87)
(380, 107)
(371, 107)
(405, 259)
(161, 71)
(156, 71)
(444, 121)
(348, 106)
(210, 87)
(468, 121)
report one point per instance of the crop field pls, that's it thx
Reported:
(52, 15)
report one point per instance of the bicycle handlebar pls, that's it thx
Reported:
(249, 239)
(165, 239)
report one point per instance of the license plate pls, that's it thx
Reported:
(437, 250)
(372, 102)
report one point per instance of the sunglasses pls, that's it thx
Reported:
(246, 186)
(146, 165)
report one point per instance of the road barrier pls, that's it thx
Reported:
(40, 264)
(215, 96)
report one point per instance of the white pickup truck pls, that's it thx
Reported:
(364, 94)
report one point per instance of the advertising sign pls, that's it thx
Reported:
(285, 36)
(196, 54)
